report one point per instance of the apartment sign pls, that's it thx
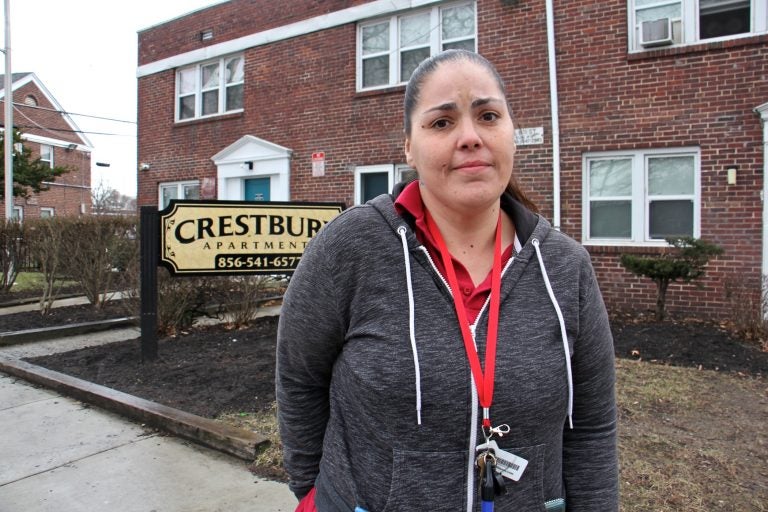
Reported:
(237, 237)
(529, 136)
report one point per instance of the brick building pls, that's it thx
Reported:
(49, 132)
(636, 119)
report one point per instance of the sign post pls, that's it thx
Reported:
(149, 252)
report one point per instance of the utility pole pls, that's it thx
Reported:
(8, 101)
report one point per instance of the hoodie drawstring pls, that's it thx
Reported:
(411, 320)
(563, 333)
(412, 329)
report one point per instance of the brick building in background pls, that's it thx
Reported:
(636, 119)
(54, 137)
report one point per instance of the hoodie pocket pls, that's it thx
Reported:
(427, 481)
(528, 493)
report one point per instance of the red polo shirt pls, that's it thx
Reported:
(473, 296)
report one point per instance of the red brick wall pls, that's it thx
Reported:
(70, 190)
(701, 96)
(229, 20)
(300, 94)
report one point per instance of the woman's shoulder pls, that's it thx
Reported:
(352, 219)
(557, 243)
(358, 224)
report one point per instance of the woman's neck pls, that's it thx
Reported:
(470, 237)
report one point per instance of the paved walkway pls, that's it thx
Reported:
(61, 455)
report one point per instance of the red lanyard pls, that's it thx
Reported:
(483, 381)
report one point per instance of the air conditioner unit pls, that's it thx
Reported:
(656, 33)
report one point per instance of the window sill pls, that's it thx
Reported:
(380, 92)
(208, 119)
(670, 51)
(596, 248)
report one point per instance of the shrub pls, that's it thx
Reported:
(95, 245)
(241, 297)
(179, 300)
(45, 241)
(685, 261)
(11, 253)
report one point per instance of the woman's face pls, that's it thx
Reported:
(462, 139)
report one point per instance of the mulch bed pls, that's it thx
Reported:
(210, 371)
(62, 316)
(207, 371)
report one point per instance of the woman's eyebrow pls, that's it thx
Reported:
(451, 106)
(481, 102)
(442, 108)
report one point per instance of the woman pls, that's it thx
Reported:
(384, 402)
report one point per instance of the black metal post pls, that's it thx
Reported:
(150, 255)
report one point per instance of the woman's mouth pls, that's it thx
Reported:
(472, 166)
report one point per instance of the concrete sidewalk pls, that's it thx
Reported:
(60, 455)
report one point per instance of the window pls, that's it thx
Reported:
(210, 88)
(46, 155)
(374, 180)
(390, 49)
(46, 212)
(18, 213)
(641, 197)
(178, 190)
(663, 22)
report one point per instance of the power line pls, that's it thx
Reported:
(15, 104)
(73, 131)
(35, 124)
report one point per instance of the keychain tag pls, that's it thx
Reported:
(508, 464)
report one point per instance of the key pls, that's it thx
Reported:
(480, 462)
(499, 485)
(488, 481)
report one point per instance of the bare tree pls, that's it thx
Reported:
(108, 201)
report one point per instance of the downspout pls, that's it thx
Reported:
(555, 114)
(762, 111)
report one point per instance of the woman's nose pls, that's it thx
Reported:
(469, 138)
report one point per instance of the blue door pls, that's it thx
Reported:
(257, 189)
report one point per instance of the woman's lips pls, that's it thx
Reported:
(472, 166)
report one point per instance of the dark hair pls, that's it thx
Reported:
(429, 66)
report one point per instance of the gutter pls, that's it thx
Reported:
(762, 111)
(553, 100)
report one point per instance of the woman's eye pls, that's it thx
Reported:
(489, 116)
(440, 123)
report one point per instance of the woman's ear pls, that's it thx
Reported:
(408, 158)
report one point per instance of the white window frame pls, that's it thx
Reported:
(179, 190)
(48, 161)
(689, 23)
(51, 212)
(198, 86)
(387, 169)
(395, 174)
(640, 198)
(435, 43)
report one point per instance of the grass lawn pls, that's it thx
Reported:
(691, 440)
(34, 281)
(688, 439)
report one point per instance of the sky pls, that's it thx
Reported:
(85, 53)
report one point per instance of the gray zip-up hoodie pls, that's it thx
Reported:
(376, 403)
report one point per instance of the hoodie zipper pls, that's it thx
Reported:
(475, 403)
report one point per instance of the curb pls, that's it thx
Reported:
(47, 333)
(240, 443)
(32, 300)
